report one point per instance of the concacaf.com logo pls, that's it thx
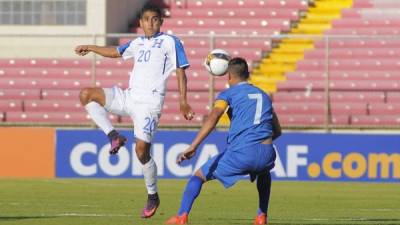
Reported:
(335, 165)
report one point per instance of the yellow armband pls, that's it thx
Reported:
(221, 104)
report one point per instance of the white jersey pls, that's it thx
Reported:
(154, 60)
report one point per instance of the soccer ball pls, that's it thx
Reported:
(217, 61)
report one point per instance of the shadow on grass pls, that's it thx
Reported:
(10, 218)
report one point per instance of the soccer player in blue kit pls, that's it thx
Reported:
(156, 55)
(254, 125)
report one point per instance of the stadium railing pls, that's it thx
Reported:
(344, 81)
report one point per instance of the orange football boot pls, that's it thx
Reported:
(178, 219)
(260, 219)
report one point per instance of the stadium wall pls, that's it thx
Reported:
(301, 156)
(59, 41)
(27, 152)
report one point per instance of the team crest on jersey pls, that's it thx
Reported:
(157, 43)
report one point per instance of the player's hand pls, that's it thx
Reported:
(82, 50)
(187, 111)
(187, 154)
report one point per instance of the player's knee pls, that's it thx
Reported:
(143, 156)
(85, 96)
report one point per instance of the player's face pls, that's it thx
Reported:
(150, 23)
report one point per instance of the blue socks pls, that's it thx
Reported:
(264, 190)
(192, 190)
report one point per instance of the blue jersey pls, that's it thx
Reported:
(250, 111)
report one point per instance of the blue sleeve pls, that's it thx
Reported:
(223, 96)
(121, 49)
(181, 60)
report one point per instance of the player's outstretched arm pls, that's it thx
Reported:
(205, 130)
(276, 126)
(106, 51)
(185, 108)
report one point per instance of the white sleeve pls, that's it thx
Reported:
(127, 50)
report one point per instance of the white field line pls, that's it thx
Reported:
(381, 210)
(37, 204)
(88, 215)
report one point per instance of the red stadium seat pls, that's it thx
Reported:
(53, 106)
(297, 96)
(206, 4)
(286, 108)
(198, 108)
(231, 23)
(384, 109)
(20, 94)
(48, 117)
(349, 108)
(373, 120)
(393, 97)
(301, 120)
(11, 105)
(45, 63)
(195, 97)
(260, 13)
(354, 97)
(60, 94)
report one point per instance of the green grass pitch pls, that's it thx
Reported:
(119, 202)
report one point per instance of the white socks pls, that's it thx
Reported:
(150, 176)
(99, 116)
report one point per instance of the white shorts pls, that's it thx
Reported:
(144, 108)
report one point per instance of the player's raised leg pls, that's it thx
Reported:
(264, 191)
(94, 100)
(150, 177)
(192, 190)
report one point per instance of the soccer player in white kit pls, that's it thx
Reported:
(155, 56)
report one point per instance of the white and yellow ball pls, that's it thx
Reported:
(217, 61)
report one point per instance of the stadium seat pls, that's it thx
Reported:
(285, 108)
(299, 96)
(260, 13)
(353, 108)
(218, 30)
(61, 118)
(197, 97)
(374, 120)
(206, 4)
(301, 120)
(53, 106)
(20, 94)
(45, 63)
(354, 97)
(198, 108)
(393, 97)
(11, 106)
(231, 23)
(384, 109)
(49, 94)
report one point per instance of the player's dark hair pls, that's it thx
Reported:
(239, 67)
(152, 8)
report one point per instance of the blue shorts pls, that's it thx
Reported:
(230, 166)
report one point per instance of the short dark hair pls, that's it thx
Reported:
(152, 8)
(239, 67)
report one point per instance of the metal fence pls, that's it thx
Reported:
(347, 64)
